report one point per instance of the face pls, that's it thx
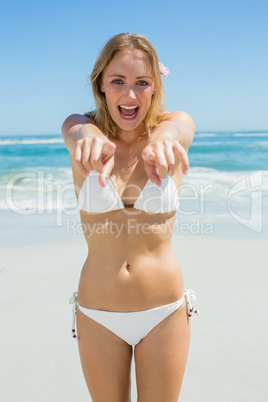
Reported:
(128, 86)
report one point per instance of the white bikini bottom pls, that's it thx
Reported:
(133, 326)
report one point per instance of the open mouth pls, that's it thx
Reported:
(128, 112)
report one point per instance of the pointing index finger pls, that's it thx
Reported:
(179, 150)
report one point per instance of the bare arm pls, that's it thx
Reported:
(89, 148)
(73, 128)
(168, 146)
(185, 126)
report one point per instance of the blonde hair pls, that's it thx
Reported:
(125, 41)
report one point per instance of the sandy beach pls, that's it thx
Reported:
(229, 347)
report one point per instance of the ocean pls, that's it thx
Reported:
(225, 193)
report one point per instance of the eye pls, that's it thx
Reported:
(117, 82)
(143, 83)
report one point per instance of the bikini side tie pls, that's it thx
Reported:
(190, 296)
(74, 302)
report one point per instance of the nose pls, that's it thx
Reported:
(130, 93)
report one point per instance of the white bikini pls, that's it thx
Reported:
(132, 326)
(96, 199)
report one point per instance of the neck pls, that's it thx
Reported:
(132, 136)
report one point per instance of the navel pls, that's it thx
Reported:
(128, 267)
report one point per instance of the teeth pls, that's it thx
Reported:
(128, 107)
(128, 117)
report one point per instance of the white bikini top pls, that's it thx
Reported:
(97, 199)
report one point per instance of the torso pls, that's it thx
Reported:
(130, 265)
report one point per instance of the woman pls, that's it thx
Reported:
(128, 158)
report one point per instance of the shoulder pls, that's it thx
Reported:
(74, 120)
(180, 117)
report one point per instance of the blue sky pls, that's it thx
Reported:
(216, 52)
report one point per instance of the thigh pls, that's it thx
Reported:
(160, 358)
(105, 360)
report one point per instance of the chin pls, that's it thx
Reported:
(128, 125)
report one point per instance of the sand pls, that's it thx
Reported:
(229, 348)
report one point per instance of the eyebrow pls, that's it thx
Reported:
(122, 76)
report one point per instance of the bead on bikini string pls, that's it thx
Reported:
(73, 301)
(190, 296)
(193, 310)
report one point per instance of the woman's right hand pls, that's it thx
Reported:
(94, 152)
(89, 148)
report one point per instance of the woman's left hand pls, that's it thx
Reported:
(164, 153)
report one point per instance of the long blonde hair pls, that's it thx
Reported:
(125, 41)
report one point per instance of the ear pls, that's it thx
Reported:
(102, 87)
(154, 90)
